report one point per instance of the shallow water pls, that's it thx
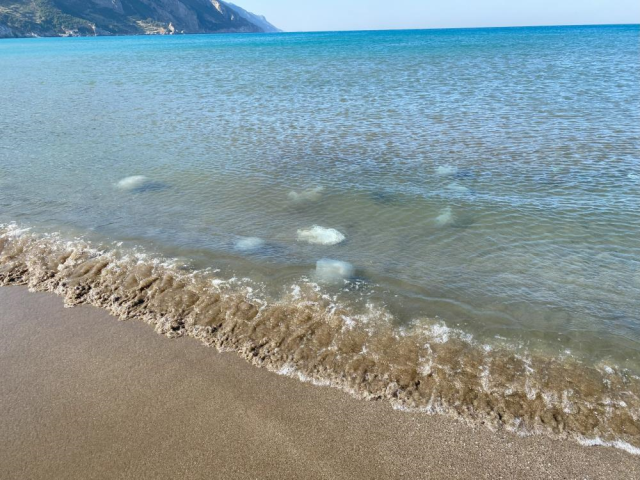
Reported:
(487, 179)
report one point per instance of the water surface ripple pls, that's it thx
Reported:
(488, 179)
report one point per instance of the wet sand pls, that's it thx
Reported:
(85, 396)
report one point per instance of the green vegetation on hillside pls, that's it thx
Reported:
(20, 18)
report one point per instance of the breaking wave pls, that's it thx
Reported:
(305, 334)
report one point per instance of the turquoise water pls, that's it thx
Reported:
(485, 178)
(489, 177)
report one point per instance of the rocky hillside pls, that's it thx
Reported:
(258, 20)
(54, 18)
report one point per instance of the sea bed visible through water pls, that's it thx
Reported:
(445, 219)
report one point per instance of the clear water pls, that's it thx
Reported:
(489, 178)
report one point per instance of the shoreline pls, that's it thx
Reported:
(308, 336)
(85, 396)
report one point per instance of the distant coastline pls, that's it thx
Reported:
(4, 30)
(65, 18)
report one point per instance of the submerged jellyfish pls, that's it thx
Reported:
(317, 235)
(333, 271)
(445, 217)
(445, 170)
(132, 183)
(306, 196)
(249, 244)
(139, 183)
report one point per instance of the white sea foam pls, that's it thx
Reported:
(432, 360)
(598, 442)
(333, 271)
(131, 183)
(310, 195)
(12, 230)
(439, 332)
(633, 176)
(290, 370)
(317, 235)
(349, 323)
(445, 170)
(249, 244)
(445, 217)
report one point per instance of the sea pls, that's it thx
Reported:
(448, 220)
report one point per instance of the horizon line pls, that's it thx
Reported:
(364, 30)
(457, 28)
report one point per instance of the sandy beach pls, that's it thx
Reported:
(85, 396)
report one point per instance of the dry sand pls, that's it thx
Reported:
(85, 396)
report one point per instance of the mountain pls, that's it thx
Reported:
(258, 20)
(59, 18)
